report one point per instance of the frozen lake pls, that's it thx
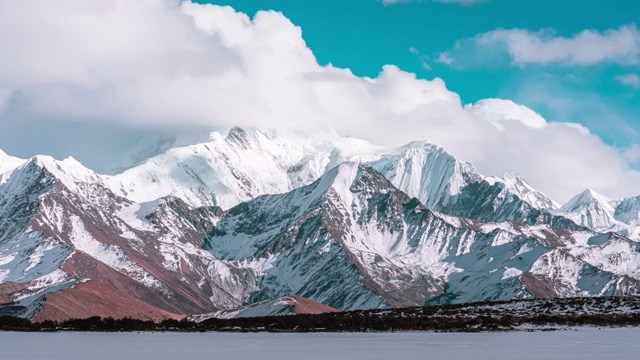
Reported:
(567, 344)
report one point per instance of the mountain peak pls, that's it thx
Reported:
(590, 209)
(68, 171)
(588, 196)
(514, 177)
(427, 172)
(518, 185)
(8, 162)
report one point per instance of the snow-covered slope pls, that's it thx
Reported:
(8, 163)
(241, 164)
(427, 172)
(352, 240)
(58, 231)
(237, 166)
(590, 209)
(601, 214)
(628, 211)
(447, 185)
(519, 186)
(335, 220)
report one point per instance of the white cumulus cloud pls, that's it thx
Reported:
(144, 65)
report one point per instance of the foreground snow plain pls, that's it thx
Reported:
(583, 343)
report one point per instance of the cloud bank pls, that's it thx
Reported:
(152, 64)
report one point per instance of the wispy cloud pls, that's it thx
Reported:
(424, 59)
(631, 80)
(524, 47)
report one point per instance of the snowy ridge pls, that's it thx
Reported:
(427, 172)
(58, 231)
(601, 214)
(335, 220)
(407, 254)
(237, 166)
(8, 163)
(590, 208)
(521, 187)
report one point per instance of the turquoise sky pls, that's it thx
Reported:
(364, 35)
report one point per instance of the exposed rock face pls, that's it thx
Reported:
(58, 232)
(333, 221)
(392, 251)
(94, 298)
(290, 305)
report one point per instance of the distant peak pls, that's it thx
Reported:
(592, 194)
(4, 156)
(68, 164)
(425, 146)
(587, 198)
(513, 176)
(513, 179)
(521, 187)
(43, 160)
(68, 171)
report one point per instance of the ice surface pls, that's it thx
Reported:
(584, 343)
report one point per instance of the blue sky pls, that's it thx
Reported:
(364, 35)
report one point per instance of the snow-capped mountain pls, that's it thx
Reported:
(238, 165)
(519, 186)
(62, 233)
(601, 214)
(590, 209)
(250, 216)
(352, 240)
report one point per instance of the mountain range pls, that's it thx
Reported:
(258, 222)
